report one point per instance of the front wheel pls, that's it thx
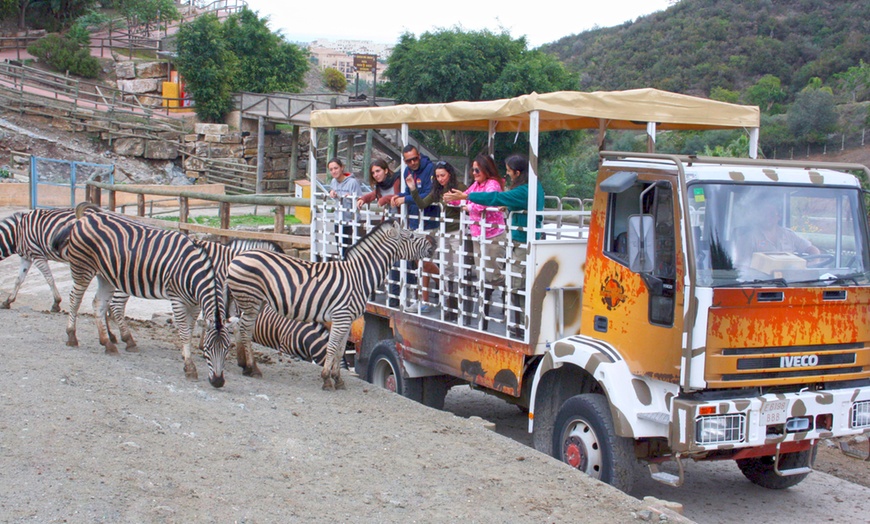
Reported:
(584, 437)
(384, 367)
(760, 471)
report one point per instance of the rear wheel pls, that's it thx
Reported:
(429, 391)
(384, 367)
(584, 437)
(760, 471)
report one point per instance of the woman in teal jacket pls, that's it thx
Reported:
(515, 199)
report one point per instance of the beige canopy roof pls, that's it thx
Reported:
(560, 110)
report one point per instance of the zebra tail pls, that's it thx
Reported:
(84, 206)
(61, 239)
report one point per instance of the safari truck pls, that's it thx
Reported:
(657, 323)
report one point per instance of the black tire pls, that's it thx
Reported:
(585, 438)
(759, 470)
(429, 391)
(384, 368)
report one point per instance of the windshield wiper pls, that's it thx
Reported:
(835, 280)
(765, 282)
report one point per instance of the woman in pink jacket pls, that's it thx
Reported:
(488, 231)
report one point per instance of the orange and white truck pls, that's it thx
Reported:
(699, 308)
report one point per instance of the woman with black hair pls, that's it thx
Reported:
(515, 199)
(446, 180)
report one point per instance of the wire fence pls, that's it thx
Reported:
(834, 144)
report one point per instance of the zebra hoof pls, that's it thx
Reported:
(72, 341)
(339, 383)
(253, 371)
(327, 385)
(190, 371)
(131, 348)
(6, 305)
(54, 309)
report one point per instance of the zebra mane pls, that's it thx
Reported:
(372, 235)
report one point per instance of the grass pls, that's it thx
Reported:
(237, 221)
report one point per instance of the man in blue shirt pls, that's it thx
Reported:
(422, 169)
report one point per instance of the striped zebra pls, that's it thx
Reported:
(29, 236)
(145, 262)
(333, 291)
(305, 340)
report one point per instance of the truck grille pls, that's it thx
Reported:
(787, 364)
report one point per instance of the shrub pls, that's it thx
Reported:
(63, 54)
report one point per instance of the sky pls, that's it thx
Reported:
(383, 21)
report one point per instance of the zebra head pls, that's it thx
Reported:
(415, 246)
(215, 348)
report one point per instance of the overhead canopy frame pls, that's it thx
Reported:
(561, 110)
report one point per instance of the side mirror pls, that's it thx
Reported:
(641, 243)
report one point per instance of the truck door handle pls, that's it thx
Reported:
(600, 324)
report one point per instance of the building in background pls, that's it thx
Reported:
(338, 54)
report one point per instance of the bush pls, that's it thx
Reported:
(64, 55)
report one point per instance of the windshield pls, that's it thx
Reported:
(756, 234)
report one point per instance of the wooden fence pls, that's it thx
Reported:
(280, 206)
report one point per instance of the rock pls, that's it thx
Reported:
(125, 70)
(139, 85)
(152, 70)
(129, 146)
(211, 129)
(160, 150)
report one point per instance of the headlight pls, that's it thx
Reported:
(861, 414)
(719, 429)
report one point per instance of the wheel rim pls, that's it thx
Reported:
(385, 376)
(580, 448)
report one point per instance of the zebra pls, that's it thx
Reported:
(333, 291)
(29, 234)
(145, 262)
(305, 340)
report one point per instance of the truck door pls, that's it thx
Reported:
(636, 312)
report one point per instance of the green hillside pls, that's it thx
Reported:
(697, 45)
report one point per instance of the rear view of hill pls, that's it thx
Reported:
(697, 45)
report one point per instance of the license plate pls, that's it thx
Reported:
(774, 412)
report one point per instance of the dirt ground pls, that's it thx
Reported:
(85, 437)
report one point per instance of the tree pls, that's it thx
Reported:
(812, 116)
(724, 95)
(267, 62)
(449, 64)
(207, 66)
(766, 93)
(146, 12)
(334, 80)
(855, 80)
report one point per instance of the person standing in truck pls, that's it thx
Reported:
(446, 180)
(387, 185)
(516, 201)
(345, 189)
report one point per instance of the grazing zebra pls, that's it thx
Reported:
(29, 236)
(145, 262)
(306, 340)
(333, 291)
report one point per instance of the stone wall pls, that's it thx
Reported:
(142, 82)
(217, 142)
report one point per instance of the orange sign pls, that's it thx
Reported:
(365, 63)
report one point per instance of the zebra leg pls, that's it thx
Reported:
(118, 308)
(183, 319)
(244, 333)
(42, 266)
(331, 373)
(81, 281)
(105, 289)
(22, 274)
